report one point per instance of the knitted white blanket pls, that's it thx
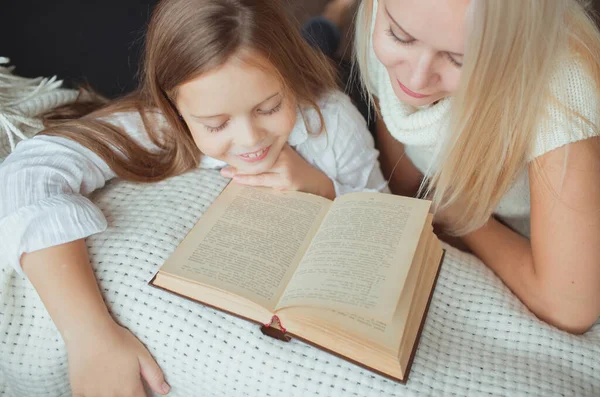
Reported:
(478, 338)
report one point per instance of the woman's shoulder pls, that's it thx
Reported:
(572, 83)
(572, 112)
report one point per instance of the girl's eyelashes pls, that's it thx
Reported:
(398, 39)
(217, 129)
(261, 112)
(270, 111)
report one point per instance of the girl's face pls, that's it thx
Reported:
(421, 44)
(239, 113)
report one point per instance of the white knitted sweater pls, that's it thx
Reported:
(422, 130)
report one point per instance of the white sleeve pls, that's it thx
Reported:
(574, 94)
(355, 154)
(43, 184)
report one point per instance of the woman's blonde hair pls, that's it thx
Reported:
(511, 53)
(185, 39)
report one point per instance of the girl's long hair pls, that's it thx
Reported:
(185, 39)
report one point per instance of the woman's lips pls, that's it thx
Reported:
(411, 93)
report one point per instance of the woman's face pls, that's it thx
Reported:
(421, 44)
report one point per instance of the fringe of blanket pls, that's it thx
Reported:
(23, 100)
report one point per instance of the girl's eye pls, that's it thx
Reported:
(216, 129)
(453, 61)
(271, 111)
(398, 39)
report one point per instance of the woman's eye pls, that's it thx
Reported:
(453, 61)
(397, 39)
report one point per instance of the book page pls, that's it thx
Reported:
(385, 334)
(388, 335)
(249, 242)
(360, 257)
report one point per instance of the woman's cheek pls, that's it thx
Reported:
(452, 81)
(385, 49)
(379, 47)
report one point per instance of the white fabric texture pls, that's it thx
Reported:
(422, 130)
(21, 100)
(43, 183)
(478, 339)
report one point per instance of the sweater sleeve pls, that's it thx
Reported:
(43, 185)
(573, 110)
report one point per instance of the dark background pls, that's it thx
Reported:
(93, 41)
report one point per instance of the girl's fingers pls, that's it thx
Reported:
(152, 373)
(228, 172)
(268, 179)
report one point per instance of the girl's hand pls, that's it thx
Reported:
(112, 362)
(105, 359)
(290, 172)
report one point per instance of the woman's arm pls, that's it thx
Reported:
(557, 274)
(104, 358)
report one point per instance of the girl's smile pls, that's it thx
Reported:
(239, 113)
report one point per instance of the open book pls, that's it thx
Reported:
(352, 276)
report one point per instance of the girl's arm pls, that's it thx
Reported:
(44, 215)
(104, 358)
(557, 274)
(43, 184)
(43, 189)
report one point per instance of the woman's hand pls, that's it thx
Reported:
(110, 361)
(290, 172)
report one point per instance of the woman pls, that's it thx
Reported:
(491, 109)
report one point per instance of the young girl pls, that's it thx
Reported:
(492, 108)
(231, 79)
